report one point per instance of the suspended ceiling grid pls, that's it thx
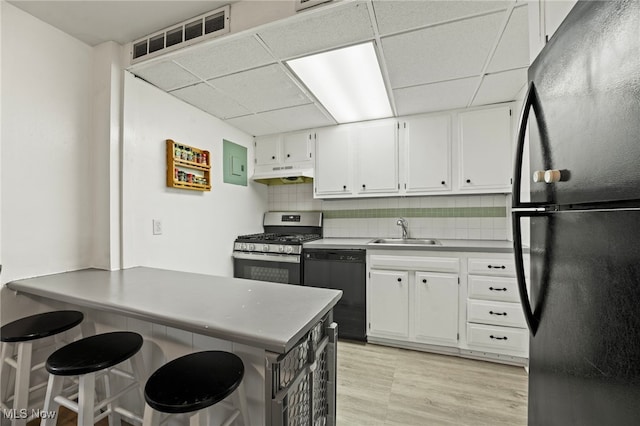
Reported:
(436, 55)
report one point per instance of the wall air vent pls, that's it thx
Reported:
(306, 4)
(209, 25)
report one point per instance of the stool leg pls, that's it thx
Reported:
(114, 418)
(86, 399)
(139, 372)
(54, 388)
(240, 401)
(199, 418)
(23, 376)
(151, 416)
(5, 373)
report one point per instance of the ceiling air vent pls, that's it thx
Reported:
(209, 25)
(306, 4)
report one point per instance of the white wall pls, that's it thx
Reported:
(46, 128)
(198, 227)
(106, 144)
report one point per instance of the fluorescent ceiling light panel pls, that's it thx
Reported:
(347, 81)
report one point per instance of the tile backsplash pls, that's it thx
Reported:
(482, 217)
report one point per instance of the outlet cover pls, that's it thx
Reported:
(157, 227)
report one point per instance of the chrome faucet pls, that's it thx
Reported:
(403, 223)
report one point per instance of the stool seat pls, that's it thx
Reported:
(194, 381)
(94, 353)
(40, 325)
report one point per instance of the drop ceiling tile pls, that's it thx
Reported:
(320, 30)
(513, 49)
(297, 118)
(165, 75)
(443, 52)
(395, 16)
(262, 89)
(210, 100)
(217, 59)
(435, 97)
(501, 87)
(253, 125)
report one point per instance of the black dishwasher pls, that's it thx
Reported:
(341, 270)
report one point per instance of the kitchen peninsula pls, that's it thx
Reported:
(284, 332)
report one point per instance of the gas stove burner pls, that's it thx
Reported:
(283, 238)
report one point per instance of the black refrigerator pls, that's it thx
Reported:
(581, 297)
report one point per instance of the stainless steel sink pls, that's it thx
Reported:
(406, 241)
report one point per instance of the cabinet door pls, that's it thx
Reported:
(376, 157)
(389, 303)
(295, 147)
(332, 170)
(267, 150)
(485, 148)
(436, 307)
(427, 151)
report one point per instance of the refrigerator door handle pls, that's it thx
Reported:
(531, 101)
(532, 321)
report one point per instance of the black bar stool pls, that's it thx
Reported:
(86, 358)
(17, 346)
(193, 384)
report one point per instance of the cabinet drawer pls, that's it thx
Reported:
(494, 288)
(496, 313)
(501, 267)
(432, 264)
(500, 339)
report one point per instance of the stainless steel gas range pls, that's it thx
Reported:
(276, 254)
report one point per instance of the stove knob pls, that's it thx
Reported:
(251, 247)
(281, 249)
(243, 246)
(289, 249)
(265, 247)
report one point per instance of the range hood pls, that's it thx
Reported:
(282, 175)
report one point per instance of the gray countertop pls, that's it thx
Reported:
(491, 246)
(256, 313)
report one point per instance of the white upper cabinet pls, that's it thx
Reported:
(297, 147)
(457, 152)
(545, 16)
(268, 150)
(333, 162)
(485, 149)
(376, 154)
(426, 154)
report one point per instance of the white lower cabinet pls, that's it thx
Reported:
(458, 303)
(389, 303)
(413, 299)
(436, 308)
(495, 321)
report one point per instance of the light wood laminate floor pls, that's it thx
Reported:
(379, 385)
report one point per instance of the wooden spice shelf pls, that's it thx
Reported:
(185, 173)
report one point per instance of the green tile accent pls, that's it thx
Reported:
(417, 212)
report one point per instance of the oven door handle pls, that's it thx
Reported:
(267, 257)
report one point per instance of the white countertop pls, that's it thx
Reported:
(256, 313)
(492, 246)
